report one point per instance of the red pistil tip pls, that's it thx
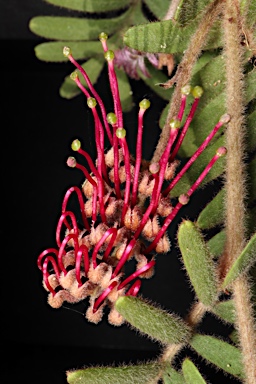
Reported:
(76, 145)
(225, 118)
(154, 168)
(197, 92)
(175, 123)
(71, 162)
(221, 151)
(109, 55)
(120, 133)
(144, 104)
(111, 118)
(186, 90)
(66, 51)
(183, 199)
(74, 75)
(91, 102)
(103, 36)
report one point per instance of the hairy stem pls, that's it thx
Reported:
(183, 74)
(193, 319)
(235, 225)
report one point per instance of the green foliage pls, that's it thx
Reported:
(168, 36)
(213, 214)
(242, 263)
(216, 243)
(218, 352)
(92, 6)
(225, 310)
(134, 374)
(170, 376)
(198, 262)
(163, 326)
(191, 373)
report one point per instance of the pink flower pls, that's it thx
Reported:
(120, 204)
(133, 61)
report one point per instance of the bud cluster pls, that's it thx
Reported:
(121, 203)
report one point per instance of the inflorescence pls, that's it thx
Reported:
(121, 203)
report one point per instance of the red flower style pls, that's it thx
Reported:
(120, 204)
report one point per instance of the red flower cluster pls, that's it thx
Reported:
(120, 202)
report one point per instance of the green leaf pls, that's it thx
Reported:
(133, 374)
(124, 90)
(53, 51)
(252, 221)
(213, 214)
(219, 353)
(250, 91)
(92, 6)
(93, 68)
(170, 376)
(159, 9)
(234, 337)
(195, 170)
(251, 125)
(244, 261)
(252, 180)
(156, 77)
(189, 9)
(168, 36)
(72, 28)
(216, 244)
(163, 326)
(191, 373)
(213, 99)
(225, 310)
(198, 262)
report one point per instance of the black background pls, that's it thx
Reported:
(37, 127)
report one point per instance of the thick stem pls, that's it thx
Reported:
(183, 74)
(235, 186)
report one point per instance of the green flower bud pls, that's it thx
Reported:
(91, 102)
(76, 145)
(111, 118)
(120, 133)
(144, 104)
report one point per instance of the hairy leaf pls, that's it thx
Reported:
(93, 68)
(189, 9)
(159, 9)
(168, 36)
(213, 214)
(134, 374)
(216, 244)
(72, 28)
(53, 51)
(163, 326)
(252, 180)
(219, 353)
(191, 373)
(170, 376)
(225, 310)
(198, 262)
(251, 124)
(195, 170)
(92, 6)
(156, 77)
(244, 261)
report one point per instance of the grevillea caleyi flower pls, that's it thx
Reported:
(120, 201)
